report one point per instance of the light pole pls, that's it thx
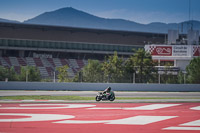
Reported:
(54, 76)
(134, 78)
(26, 75)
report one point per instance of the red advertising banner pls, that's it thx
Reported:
(160, 50)
(196, 50)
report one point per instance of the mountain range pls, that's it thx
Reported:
(71, 17)
(8, 21)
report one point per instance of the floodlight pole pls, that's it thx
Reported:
(133, 78)
(159, 78)
(54, 76)
(184, 78)
(26, 76)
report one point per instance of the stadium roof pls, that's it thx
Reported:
(73, 34)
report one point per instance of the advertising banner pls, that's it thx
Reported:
(181, 50)
(173, 50)
(196, 50)
(160, 50)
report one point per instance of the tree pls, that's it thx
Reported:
(168, 77)
(181, 79)
(29, 73)
(63, 74)
(8, 73)
(12, 75)
(3, 73)
(193, 71)
(34, 74)
(113, 68)
(92, 72)
(141, 62)
(130, 70)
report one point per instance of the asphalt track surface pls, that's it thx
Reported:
(137, 96)
(100, 117)
(93, 93)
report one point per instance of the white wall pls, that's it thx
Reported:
(182, 64)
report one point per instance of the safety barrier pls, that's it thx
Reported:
(99, 86)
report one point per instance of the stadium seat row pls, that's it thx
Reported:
(46, 66)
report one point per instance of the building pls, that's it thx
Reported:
(178, 53)
(48, 47)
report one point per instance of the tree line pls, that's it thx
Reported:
(27, 73)
(138, 68)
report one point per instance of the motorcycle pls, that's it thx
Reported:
(102, 96)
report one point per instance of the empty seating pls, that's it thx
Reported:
(43, 72)
(51, 61)
(80, 63)
(30, 61)
(3, 62)
(14, 61)
(70, 72)
(46, 66)
(57, 62)
(64, 62)
(73, 63)
(38, 62)
(7, 61)
(22, 61)
(85, 62)
(50, 71)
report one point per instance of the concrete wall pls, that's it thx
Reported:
(99, 86)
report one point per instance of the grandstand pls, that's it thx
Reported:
(48, 47)
(46, 66)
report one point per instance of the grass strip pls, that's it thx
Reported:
(47, 97)
(36, 97)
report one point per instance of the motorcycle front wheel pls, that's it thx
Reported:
(98, 98)
(112, 98)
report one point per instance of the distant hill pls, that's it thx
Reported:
(75, 18)
(8, 21)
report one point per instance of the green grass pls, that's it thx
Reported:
(46, 97)
(35, 97)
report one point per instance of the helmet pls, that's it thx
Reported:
(109, 89)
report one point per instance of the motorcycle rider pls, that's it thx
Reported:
(108, 92)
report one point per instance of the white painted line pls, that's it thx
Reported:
(105, 108)
(34, 117)
(182, 128)
(55, 106)
(56, 100)
(145, 107)
(192, 123)
(195, 108)
(27, 100)
(79, 122)
(140, 120)
(152, 107)
(136, 120)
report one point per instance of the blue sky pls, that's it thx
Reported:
(141, 11)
